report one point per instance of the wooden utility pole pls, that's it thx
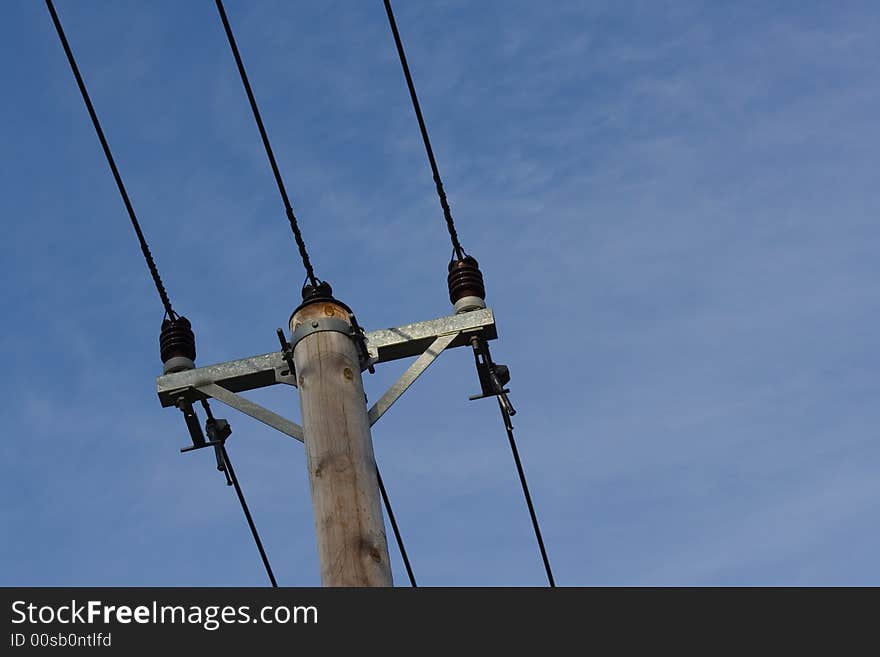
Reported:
(339, 451)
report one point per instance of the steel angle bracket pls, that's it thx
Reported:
(235, 376)
(414, 339)
(427, 340)
(452, 331)
(412, 373)
(256, 411)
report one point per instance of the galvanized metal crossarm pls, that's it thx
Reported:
(271, 369)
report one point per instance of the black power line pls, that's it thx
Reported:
(154, 272)
(525, 487)
(227, 466)
(288, 209)
(459, 253)
(227, 463)
(441, 193)
(397, 536)
(297, 234)
(145, 249)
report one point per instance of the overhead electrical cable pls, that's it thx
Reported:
(525, 487)
(227, 464)
(294, 225)
(465, 280)
(288, 208)
(441, 193)
(154, 271)
(145, 249)
(397, 536)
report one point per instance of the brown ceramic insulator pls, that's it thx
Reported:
(465, 279)
(177, 339)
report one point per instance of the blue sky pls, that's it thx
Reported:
(675, 207)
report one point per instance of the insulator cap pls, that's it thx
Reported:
(465, 279)
(177, 339)
(320, 293)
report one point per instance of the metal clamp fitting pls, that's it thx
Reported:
(352, 330)
(319, 325)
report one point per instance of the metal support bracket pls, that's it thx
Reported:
(256, 411)
(271, 369)
(351, 328)
(493, 376)
(317, 326)
(427, 340)
(406, 379)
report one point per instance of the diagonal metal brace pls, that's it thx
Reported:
(256, 411)
(406, 379)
